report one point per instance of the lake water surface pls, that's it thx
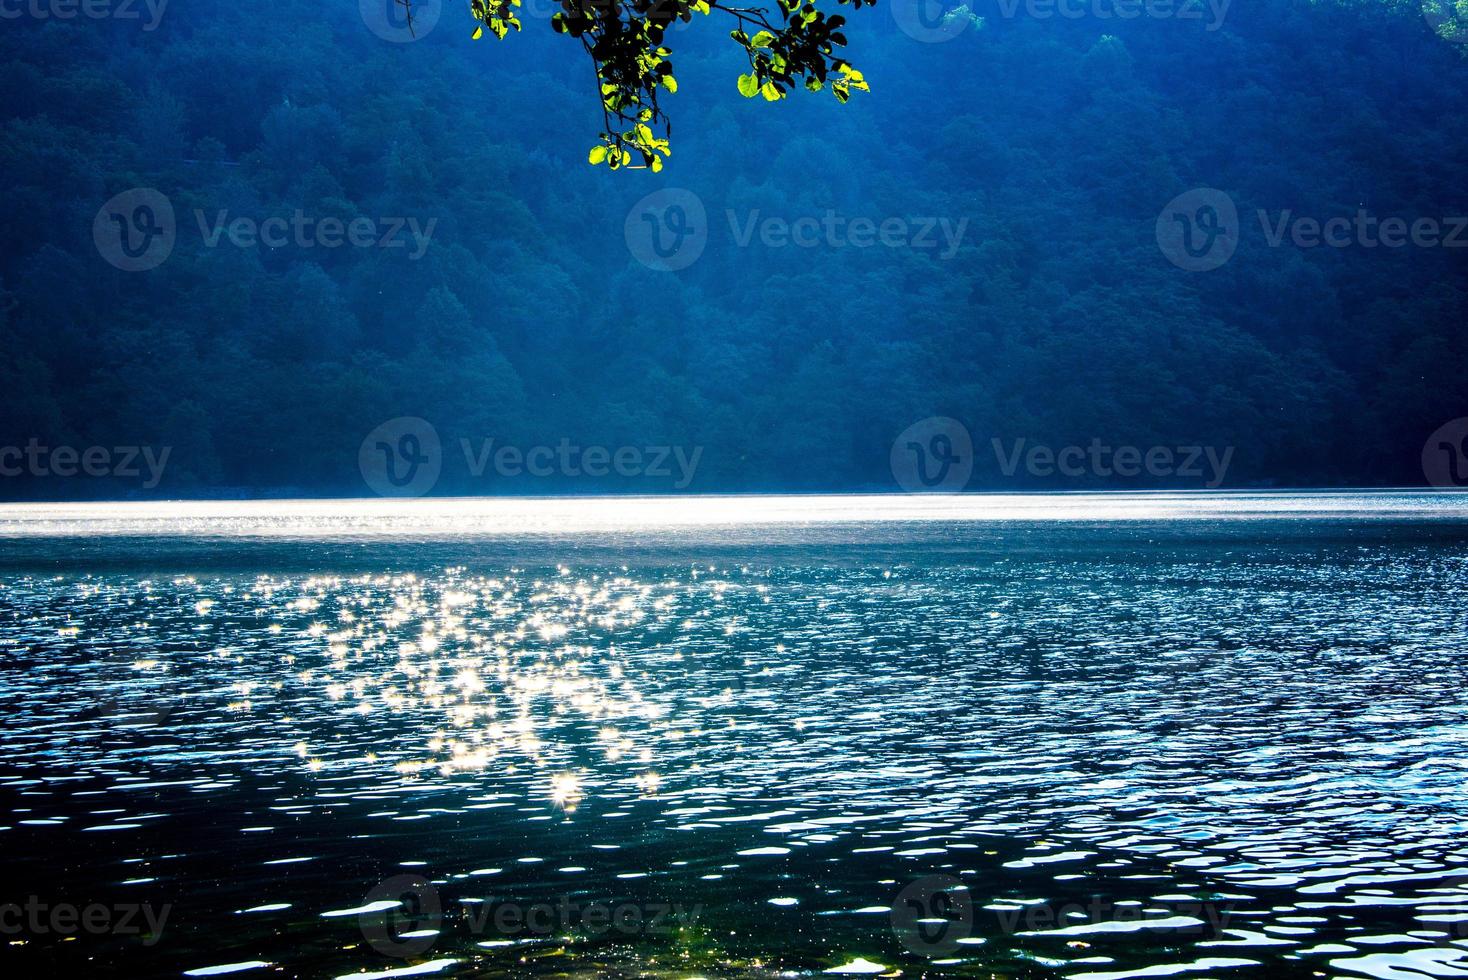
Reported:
(1053, 736)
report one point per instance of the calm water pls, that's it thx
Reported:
(1061, 736)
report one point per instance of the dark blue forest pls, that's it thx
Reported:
(1024, 227)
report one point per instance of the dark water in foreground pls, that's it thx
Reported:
(1070, 737)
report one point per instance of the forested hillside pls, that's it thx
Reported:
(1019, 165)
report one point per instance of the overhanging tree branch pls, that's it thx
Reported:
(625, 41)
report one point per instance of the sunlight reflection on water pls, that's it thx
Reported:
(471, 517)
(1263, 731)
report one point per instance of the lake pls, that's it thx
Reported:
(1082, 736)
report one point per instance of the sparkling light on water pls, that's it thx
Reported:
(1267, 722)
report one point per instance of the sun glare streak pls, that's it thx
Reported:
(457, 519)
